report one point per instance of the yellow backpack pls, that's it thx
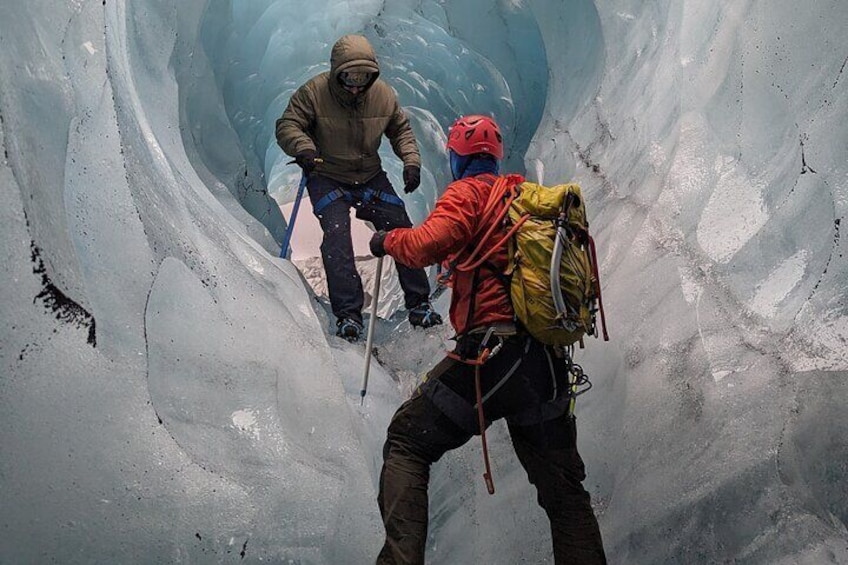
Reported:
(557, 301)
(553, 272)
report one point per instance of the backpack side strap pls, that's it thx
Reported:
(598, 286)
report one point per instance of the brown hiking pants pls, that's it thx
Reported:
(523, 383)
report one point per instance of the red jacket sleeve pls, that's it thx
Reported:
(447, 229)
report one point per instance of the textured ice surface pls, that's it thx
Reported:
(169, 391)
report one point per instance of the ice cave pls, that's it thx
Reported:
(172, 392)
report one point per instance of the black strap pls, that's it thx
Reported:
(506, 280)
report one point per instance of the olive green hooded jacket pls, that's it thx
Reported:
(346, 129)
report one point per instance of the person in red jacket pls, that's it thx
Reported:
(522, 380)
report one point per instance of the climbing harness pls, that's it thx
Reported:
(578, 383)
(368, 195)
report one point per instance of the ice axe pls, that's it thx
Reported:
(284, 250)
(372, 322)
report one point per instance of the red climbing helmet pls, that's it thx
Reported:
(476, 134)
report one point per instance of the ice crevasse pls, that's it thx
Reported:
(169, 391)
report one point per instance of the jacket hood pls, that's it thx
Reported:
(353, 53)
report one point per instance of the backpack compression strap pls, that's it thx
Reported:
(598, 286)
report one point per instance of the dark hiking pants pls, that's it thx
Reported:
(441, 416)
(375, 202)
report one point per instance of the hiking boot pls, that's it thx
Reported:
(423, 316)
(349, 329)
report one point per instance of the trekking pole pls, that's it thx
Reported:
(372, 322)
(287, 239)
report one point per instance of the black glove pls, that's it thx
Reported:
(376, 244)
(306, 160)
(411, 178)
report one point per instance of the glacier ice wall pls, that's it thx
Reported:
(169, 393)
(724, 237)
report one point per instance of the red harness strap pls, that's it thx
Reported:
(598, 287)
(481, 418)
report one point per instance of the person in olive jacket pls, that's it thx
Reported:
(333, 127)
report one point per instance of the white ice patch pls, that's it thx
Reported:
(780, 282)
(245, 421)
(642, 244)
(721, 349)
(718, 375)
(734, 213)
(539, 168)
(657, 156)
(690, 172)
(691, 289)
(252, 262)
(305, 310)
